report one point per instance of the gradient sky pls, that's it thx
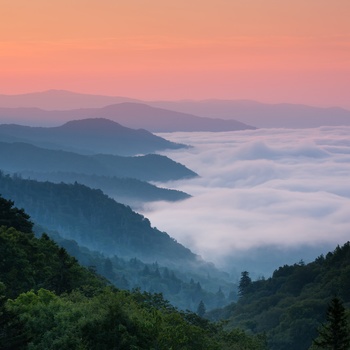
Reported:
(268, 50)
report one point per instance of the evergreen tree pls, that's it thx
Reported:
(244, 283)
(201, 309)
(14, 217)
(335, 334)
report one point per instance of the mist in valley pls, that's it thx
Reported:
(264, 197)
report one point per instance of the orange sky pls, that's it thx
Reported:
(267, 50)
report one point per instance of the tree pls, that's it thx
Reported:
(335, 334)
(201, 309)
(14, 217)
(244, 283)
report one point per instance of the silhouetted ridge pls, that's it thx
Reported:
(18, 157)
(90, 136)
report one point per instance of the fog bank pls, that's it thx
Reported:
(270, 190)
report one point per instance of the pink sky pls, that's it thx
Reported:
(269, 50)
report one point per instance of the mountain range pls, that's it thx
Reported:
(94, 220)
(89, 136)
(170, 116)
(129, 114)
(19, 157)
(129, 191)
(262, 115)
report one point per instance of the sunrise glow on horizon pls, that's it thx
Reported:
(270, 51)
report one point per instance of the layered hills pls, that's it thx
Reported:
(262, 115)
(184, 115)
(89, 136)
(130, 114)
(18, 157)
(94, 220)
(290, 305)
(47, 300)
(129, 191)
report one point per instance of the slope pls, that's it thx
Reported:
(95, 221)
(57, 304)
(18, 157)
(291, 304)
(129, 191)
(91, 136)
(132, 115)
(262, 115)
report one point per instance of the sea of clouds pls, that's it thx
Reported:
(264, 197)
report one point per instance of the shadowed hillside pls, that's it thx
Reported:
(90, 136)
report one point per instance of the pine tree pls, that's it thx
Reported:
(244, 283)
(201, 309)
(335, 334)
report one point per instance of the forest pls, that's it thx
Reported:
(290, 305)
(119, 243)
(49, 301)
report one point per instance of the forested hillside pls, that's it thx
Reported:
(48, 301)
(97, 135)
(184, 288)
(124, 190)
(290, 305)
(17, 157)
(120, 243)
(94, 220)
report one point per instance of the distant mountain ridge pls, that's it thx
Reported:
(60, 100)
(19, 157)
(94, 220)
(92, 136)
(262, 115)
(128, 191)
(129, 114)
(251, 113)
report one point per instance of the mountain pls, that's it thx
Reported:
(90, 136)
(132, 115)
(20, 157)
(289, 306)
(154, 119)
(190, 279)
(60, 100)
(129, 191)
(170, 115)
(47, 301)
(183, 288)
(96, 221)
(262, 115)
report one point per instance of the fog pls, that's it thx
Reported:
(264, 197)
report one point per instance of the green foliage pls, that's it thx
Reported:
(56, 304)
(14, 217)
(290, 305)
(89, 218)
(335, 334)
(125, 190)
(244, 283)
(93, 219)
(201, 309)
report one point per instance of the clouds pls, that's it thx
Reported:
(264, 188)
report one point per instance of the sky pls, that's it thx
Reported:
(278, 195)
(273, 51)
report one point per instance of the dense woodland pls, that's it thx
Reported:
(289, 306)
(19, 156)
(48, 301)
(119, 243)
(124, 190)
(93, 219)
